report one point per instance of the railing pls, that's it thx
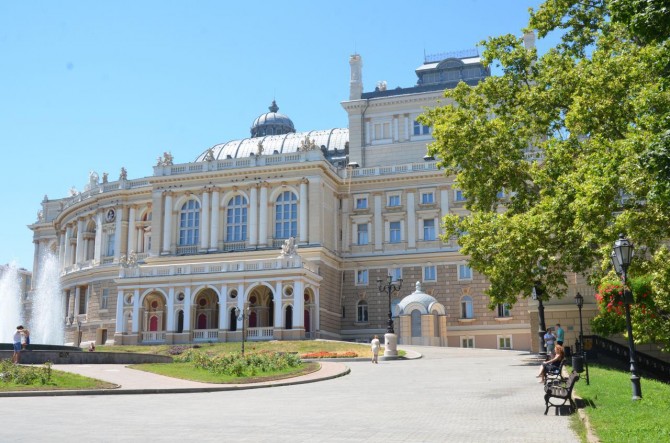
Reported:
(153, 336)
(234, 246)
(616, 351)
(205, 334)
(260, 333)
(145, 270)
(386, 170)
(187, 250)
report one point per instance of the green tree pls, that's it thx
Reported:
(577, 138)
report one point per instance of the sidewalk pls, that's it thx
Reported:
(132, 381)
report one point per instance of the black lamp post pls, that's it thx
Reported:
(537, 295)
(579, 301)
(621, 257)
(242, 315)
(389, 287)
(78, 332)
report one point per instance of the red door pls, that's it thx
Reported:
(202, 321)
(307, 328)
(153, 323)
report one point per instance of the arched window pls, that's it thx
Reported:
(466, 307)
(233, 320)
(286, 215)
(189, 223)
(288, 320)
(236, 220)
(362, 311)
(416, 323)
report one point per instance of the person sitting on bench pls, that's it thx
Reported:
(554, 363)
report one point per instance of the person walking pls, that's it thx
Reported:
(375, 345)
(560, 334)
(18, 340)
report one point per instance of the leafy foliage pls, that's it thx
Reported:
(578, 140)
(238, 365)
(25, 375)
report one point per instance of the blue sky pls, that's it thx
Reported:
(96, 86)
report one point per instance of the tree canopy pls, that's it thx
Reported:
(579, 141)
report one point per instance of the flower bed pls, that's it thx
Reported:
(326, 354)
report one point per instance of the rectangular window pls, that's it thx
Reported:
(361, 202)
(429, 273)
(420, 129)
(460, 197)
(467, 342)
(503, 310)
(464, 272)
(362, 316)
(362, 277)
(429, 229)
(504, 342)
(427, 198)
(382, 131)
(104, 300)
(396, 274)
(467, 310)
(394, 228)
(362, 231)
(110, 244)
(82, 301)
(394, 200)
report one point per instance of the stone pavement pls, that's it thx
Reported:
(449, 395)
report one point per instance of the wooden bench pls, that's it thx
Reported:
(560, 391)
(554, 375)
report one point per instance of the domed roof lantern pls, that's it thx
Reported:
(272, 123)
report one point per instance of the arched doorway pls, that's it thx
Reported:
(233, 320)
(180, 322)
(288, 319)
(206, 315)
(261, 307)
(153, 318)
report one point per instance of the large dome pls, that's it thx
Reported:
(271, 123)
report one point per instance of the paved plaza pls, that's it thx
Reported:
(449, 395)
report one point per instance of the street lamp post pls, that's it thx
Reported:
(579, 301)
(390, 339)
(542, 328)
(242, 315)
(621, 257)
(390, 288)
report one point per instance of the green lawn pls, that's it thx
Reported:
(59, 381)
(615, 417)
(188, 372)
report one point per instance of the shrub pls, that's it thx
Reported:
(25, 375)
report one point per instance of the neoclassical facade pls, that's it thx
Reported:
(291, 228)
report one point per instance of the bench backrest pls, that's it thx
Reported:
(574, 376)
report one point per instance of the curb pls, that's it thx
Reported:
(119, 391)
(590, 435)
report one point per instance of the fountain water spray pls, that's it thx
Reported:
(48, 311)
(10, 302)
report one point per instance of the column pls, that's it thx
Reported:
(395, 129)
(411, 221)
(77, 296)
(36, 258)
(68, 248)
(66, 307)
(444, 206)
(224, 319)
(170, 310)
(98, 237)
(263, 216)
(156, 223)
(118, 227)
(120, 322)
(252, 222)
(167, 224)
(61, 249)
(204, 222)
(346, 225)
(407, 135)
(132, 231)
(214, 228)
(367, 133)
(302, 233)
(298, 305)
(71, 302)
(187, 309)
(79, 255)
(136, 312)
(378, 233)
(279, 297)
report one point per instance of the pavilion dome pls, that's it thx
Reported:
(272, 123)
(418, 299)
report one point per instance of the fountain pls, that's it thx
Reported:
(48, 311)
(10, 302)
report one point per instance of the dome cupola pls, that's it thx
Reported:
(272, 123)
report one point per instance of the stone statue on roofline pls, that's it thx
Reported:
(165, 160)
(307, 144)
(124, 174)
(105, 177)
(260, 149)
(289, 248)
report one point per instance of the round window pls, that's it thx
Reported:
(288, 291)
(154, 304)
(252, 299)
(233, 293)
(202, 302)
(181, 296)
(128, 299)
